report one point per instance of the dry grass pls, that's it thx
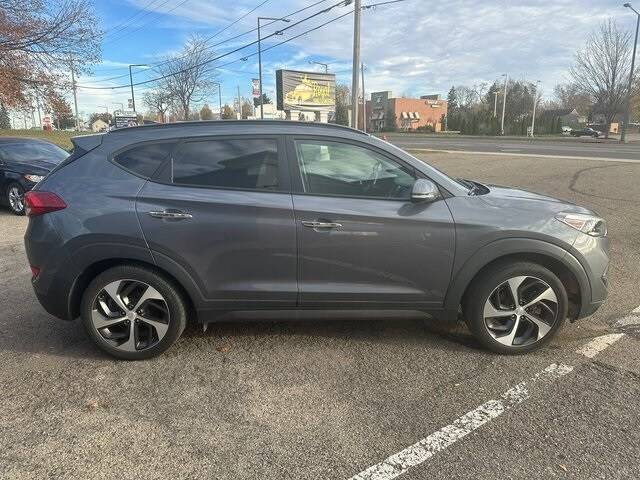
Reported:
(59, 137)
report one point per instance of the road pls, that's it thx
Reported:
(331, 400)
(565, 147)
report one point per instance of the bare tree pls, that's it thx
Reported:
(158, 101)
(570, 96)
(37, 40)
(602, 67)
(189, 75)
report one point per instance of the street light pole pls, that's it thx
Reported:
(623, 135)
(535, 102)
(325, 65)
(219, 98)
(364, 102)
(260, 58)
(504, 102)
(133, 98)
(356, 63)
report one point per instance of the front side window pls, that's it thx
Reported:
(332, 168)
(250, 164)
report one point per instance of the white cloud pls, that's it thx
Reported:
(414, 47)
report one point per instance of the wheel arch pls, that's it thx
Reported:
(96, 268)
(564, 265)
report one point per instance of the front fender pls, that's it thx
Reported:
(513, 246)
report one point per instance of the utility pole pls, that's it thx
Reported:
(357, 8)
(239, 115)
(75, 96)
(504, 102)
(627, 112)
(535, 102)
(364, 101)
(286, 20)
(38, 106)
(133, 98)
(495, 103)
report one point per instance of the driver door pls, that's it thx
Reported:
(361, 241)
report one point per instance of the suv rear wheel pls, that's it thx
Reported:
(132, 312)
(516, 307)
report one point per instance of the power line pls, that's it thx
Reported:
(147, 22)
(164, 62)
(119, 25)
(342, 2)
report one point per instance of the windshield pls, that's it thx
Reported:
(29, 151)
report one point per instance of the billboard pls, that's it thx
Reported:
(297, 90)
(255, 87)
(125, 119)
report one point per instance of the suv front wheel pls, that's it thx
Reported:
(515, 308)
(132, 312)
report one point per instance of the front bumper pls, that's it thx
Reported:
(593, 253)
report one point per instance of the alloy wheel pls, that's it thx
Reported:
(130, 315)
(16, 199)
(521, 311)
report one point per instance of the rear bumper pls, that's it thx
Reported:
(44, 251)
(54, 303)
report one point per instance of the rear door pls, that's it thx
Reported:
(361, 240)
(221, 208)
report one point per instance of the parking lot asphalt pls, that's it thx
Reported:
(336, 399)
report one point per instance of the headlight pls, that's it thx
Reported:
(34, 178)
(589, 224)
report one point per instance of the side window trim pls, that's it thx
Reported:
(283, 171)
(296, 174)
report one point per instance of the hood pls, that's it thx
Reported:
(36, 166)
(507, 197)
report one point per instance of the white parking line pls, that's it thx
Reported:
(508, 154)
(598, 344)
(629, 321)
(421, 451)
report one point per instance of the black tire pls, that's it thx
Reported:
(174, 301)
(483, 286)
(18, 187)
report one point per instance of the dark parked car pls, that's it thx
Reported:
(146, 226)
(23, 163)
(585, 132)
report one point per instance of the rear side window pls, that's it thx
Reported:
(249, 164)
(144, 160)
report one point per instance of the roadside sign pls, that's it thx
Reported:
(130, 103)
(122, 120)
(255, 87)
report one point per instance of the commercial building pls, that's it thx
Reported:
(385, 112)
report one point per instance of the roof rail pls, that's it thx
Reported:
(243, 122)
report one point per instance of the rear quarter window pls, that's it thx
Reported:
(144, 160)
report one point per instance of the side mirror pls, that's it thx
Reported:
(424, 191)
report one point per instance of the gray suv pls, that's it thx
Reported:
(144, 227)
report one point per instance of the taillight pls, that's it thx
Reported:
(35, 271)
(39, 203)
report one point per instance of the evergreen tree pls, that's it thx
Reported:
(452, 99)
(206, 113)
(5, 122)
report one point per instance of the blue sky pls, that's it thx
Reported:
(414, 47)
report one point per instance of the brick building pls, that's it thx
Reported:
(383, 110)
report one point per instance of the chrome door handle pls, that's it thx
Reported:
(317, 224)
(171, 215)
